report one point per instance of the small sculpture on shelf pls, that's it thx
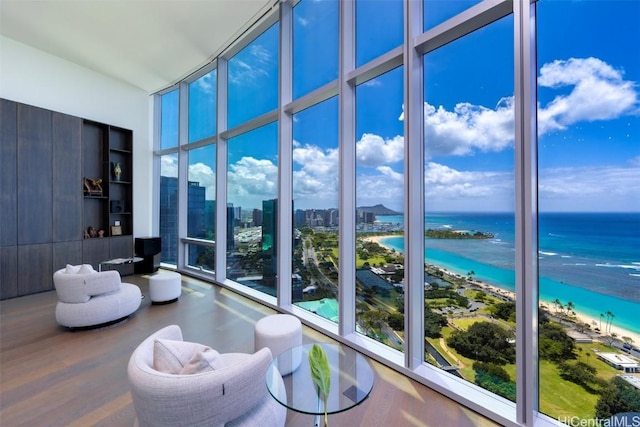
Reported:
(90, 233)
(117, 170)
(92, 187)
(101, 234)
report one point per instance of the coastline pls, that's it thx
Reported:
(545, 304)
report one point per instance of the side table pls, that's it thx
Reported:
(351, 381)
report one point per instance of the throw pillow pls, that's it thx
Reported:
(86, 269)
(183, 357)
(72, 269)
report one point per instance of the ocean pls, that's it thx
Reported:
(590, 259)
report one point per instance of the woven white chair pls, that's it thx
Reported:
(89, 298)
(233, 394)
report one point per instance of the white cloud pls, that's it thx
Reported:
(372, 150)
(251, 73)
(391, 174)
(468, 128)
(378, 188)
(316, 182)
(169, 166)
(614, 188)
(199, 172)
(250, 181)
(446, 184)
(599, 93)
(207, 83)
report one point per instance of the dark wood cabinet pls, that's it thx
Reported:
(67, 178)
(35, 173)
(44, 158)
(8, 173)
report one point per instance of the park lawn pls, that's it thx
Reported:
(563, 398)
(464, 322)
(488, 299)
(466, 371)
(374, 260)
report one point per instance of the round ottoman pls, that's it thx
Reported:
(165, 288)
(280, 332)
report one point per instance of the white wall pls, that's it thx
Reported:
(34, 77)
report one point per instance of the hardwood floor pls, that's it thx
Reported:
(50, 376)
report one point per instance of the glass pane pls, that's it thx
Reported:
(253, 79)
(202, 107)
(379, 28)
(379, 206)
(169, 120)
(315, 199)
(438, 11)
(201, 198)
(315, 45)
(589, 209)
(469, 208)
(169, 208)
(252, 206)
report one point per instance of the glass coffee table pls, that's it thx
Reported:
(351, 381)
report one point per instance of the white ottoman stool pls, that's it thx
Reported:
(165, 288)
(280, 332)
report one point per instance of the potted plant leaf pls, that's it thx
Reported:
(321, 375)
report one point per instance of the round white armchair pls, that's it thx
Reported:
(90, 298)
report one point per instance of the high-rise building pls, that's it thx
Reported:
(169, 218)
(269, 241)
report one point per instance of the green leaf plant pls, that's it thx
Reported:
(321, 375)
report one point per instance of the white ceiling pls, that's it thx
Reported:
(148, 44)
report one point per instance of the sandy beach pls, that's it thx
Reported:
(580, 317)
(547, 305)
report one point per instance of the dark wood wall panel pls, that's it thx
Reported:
(8, 272)
(94, 251)
(67, 178)
(66, 253)
(34, 175)
(32, 280)
(8, 173)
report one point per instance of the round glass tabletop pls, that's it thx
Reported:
(351, 379)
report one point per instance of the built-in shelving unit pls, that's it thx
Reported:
(44, 158)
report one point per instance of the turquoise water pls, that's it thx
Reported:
(592, 260)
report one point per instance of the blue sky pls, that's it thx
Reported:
(588, 120)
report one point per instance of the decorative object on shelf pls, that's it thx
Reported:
(101, 234)
(91, 232)
(86, 234)
(116, 230)
(92, 187)
(117, 206)
(116, 168)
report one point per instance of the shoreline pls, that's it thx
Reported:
(545, 304)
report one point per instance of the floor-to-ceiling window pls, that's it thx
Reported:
(379, 165)
(469, 208)
(252, 208)
(588, 82)
(316, 216)
(325, 116)
(168, 215)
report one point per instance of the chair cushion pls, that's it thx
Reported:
(183, 357)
